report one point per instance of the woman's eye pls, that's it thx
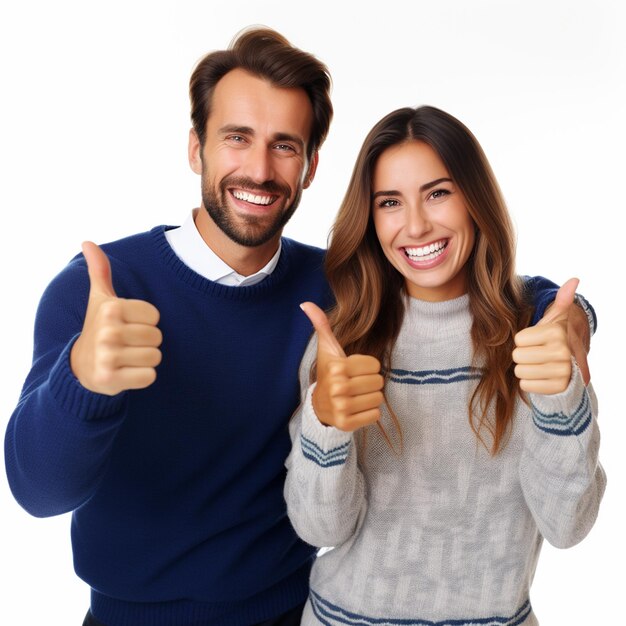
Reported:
(384, 204)
(439, 193)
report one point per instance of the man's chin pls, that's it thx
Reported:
(244, 229)
(253, 238)
(253, 232)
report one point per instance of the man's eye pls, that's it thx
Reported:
(284, 147)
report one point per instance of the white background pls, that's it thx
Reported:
(93, 133)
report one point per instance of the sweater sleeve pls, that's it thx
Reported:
(543, 293)
(58, 439)
(324, 489)
(562, 479)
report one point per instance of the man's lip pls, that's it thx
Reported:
(254, 192)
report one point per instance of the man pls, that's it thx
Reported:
(165, 369)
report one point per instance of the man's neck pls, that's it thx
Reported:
(245, 260)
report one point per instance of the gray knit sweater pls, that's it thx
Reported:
(441, 533)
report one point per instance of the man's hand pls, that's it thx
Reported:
(348, 393)
(543, 355)
(118, 348)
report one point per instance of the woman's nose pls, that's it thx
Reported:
(417, 223)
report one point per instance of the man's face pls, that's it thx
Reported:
(253, 162)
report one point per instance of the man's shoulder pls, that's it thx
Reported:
(305, 261)
(133, 245)
(126, 255)
(303, 250)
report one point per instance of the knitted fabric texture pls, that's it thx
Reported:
(176, 489)
(436, 531)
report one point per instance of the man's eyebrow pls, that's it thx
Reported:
(247, 130)
(287, 137)
(234, 128)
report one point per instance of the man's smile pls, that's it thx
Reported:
(253, 198)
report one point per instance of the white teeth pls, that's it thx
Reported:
(248, 197)
(437, 247)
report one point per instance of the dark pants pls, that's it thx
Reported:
(291, 618)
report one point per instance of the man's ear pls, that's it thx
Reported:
(310, 174)
(193, 152)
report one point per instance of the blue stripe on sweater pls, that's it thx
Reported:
(330, 614)
(562, 424)
(435, 377)
(324, 458)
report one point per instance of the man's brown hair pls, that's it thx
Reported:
(264, 53)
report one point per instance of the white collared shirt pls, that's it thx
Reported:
(192, 250)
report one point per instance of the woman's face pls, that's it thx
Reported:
(421, 220)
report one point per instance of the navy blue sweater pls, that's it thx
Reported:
(176, 489)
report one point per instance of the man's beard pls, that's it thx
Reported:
(256, 230)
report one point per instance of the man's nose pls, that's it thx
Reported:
(258, 164)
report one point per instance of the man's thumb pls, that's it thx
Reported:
(99, 269)
(563, 301)
(326, 340)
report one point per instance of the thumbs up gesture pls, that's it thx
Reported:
(348, 393)
(542, 352)
(118, 348)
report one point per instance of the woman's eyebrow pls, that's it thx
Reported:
(427, 186)
(424, 187)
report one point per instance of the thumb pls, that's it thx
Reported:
(99, 270)
(326, 340)
(559, 309)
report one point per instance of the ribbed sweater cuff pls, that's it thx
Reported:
(326, 446)
(73, 398)
(589, 312)
(565, 413)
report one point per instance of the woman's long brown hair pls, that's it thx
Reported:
(370, 293)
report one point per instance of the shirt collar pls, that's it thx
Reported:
(192, 250)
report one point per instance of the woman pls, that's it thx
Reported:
(486, 440)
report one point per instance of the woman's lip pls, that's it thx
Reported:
(427, 261)
(436, 243)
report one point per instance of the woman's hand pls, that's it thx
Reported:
(348, 393)
(543, 356)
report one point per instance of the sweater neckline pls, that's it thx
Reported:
(428, 318)
(209, 287)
